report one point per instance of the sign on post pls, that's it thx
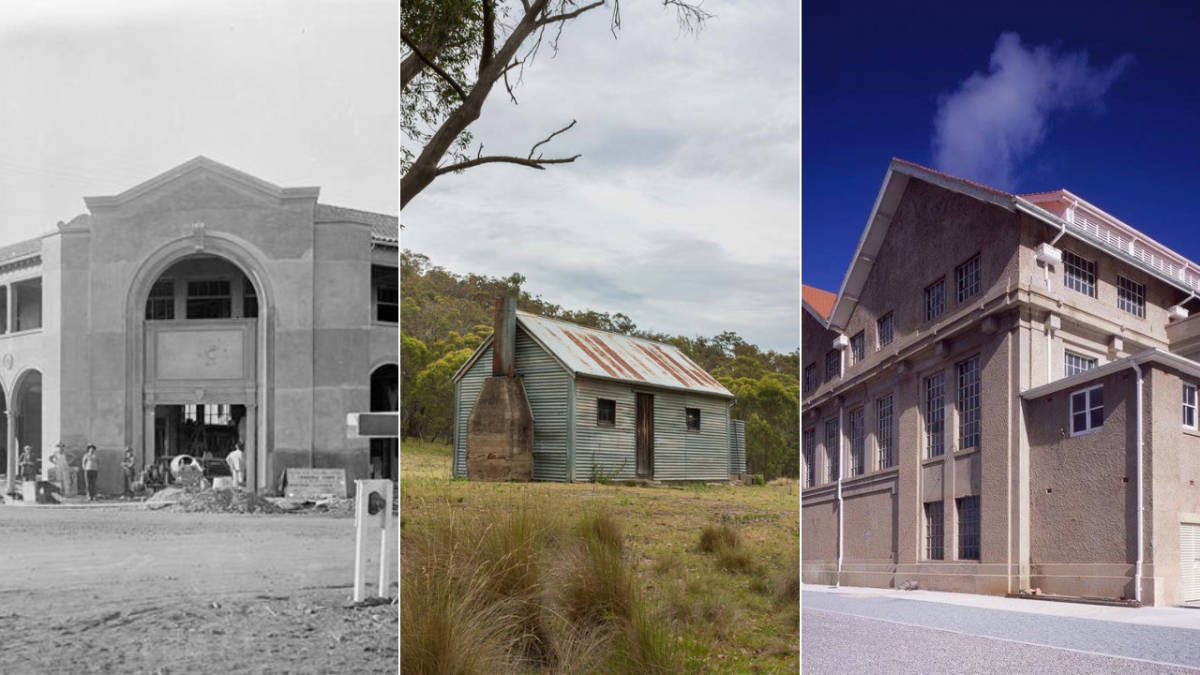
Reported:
(372, 510)
(311, 483)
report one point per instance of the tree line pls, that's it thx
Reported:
(445, 316)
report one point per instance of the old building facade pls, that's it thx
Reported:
(998, 399)
(198, 309)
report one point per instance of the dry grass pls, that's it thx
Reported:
(787, 583)
(735, 559)
(714, 538)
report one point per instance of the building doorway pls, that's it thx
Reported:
(206, 432)
(645, 435)
(385, 397)
(28, 418)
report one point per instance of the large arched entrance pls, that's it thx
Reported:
(199, 342)
(27, 415)
(385, 397)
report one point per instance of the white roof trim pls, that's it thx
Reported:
(815, 314)
(197, 164)
(1158, 356)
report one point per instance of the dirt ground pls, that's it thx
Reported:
(123, 590)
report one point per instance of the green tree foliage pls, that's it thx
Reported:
(445, 316)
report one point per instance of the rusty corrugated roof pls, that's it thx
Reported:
(598, 353)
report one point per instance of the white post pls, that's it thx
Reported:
(362, 520)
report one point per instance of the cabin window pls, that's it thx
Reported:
(1087, 410)
(209, 299)
(160, 306)
(693, 419)
(606, 412)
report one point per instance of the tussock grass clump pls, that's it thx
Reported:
(787, 583)
(599, 586)
(716, 537)
(647, 648)
(761, 586)
(602, 528)
(667, 563)
(735, 559)
(702, 605)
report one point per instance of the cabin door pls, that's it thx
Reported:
(645, 436)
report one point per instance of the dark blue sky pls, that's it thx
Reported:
(871, 81)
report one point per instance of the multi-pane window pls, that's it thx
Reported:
(935, 415)
(606, 412)
(1087, 410)
(249, 301)
(218, 415)
(693, 419)
(935, 299)
(810, 457)
(967, 278)
(886, 330)
(968, 528)
(934, 539)
(160, 306)
(968, 403)
(1075, 364)
(858, 347)
(810, 377)
(1079, 274)
(883, 432)
(387, 304)
(833, 364)
(833, 448)
(1131, 296)
(857, 442)
(209, 300)
(1189, 406)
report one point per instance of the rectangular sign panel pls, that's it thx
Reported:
(310, 483)
(199, 355)
(373, 425)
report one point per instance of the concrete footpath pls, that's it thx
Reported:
(1170, 617)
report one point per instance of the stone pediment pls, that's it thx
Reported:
(202, 183)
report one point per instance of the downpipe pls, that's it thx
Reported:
(841, 472)
(1137, 565)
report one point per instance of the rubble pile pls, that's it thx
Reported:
(214, 501)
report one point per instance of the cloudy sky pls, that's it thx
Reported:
(682, 213)
(99, 95)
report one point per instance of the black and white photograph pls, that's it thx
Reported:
(199, 353)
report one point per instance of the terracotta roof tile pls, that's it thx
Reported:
(820, 301)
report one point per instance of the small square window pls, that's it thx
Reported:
(1189, 406)
(606, 412)
(886, 330)
(693, 419)
(1087, 410)
(935, 299)
(1075, 364)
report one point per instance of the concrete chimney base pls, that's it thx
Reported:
(500, 433)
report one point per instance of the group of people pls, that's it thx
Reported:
(90, 464)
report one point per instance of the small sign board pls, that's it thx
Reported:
(307, 483)
(373, 425)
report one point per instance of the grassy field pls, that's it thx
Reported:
(731, 609)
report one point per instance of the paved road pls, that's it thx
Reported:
(846, 633)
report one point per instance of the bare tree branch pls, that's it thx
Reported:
(531, 163)
(433, 66)
(567, 16)
(551, 136)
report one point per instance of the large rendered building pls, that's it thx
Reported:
(198, 309)
(1002, 396)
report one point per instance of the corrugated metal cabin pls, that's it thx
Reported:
(606, 404)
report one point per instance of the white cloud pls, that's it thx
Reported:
(995, 120)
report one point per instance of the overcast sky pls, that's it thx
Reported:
(97, 96)
(682, 213)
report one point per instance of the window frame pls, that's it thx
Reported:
(1192, 407)
(856, 420)
(155, 302)
(968, 278)
(935, 532)
(888, 321)
(1085, 269)
(188, 298)
(858, 347)
(1067, 354)
(969, 540)
(687, 415)
(1136, 296)
(836, 372)
(935, 305)
(833, 452)
(931, 420)
(600, 406)
(1088, 409)
(885, 434)
(970, 420)
(810, 383)
(809, 445)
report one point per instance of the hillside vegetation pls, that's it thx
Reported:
(553, 578)
(445, 316)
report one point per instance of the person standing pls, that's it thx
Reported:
(237, 464)
(28, 468)
(62, 468)
(91, 471)
(127, 465)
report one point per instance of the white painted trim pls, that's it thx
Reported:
(1088, 408)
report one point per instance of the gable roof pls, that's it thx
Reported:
(818, 302)
(600, 354)
(197, 164)
(385, 229)
(1059, 209)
